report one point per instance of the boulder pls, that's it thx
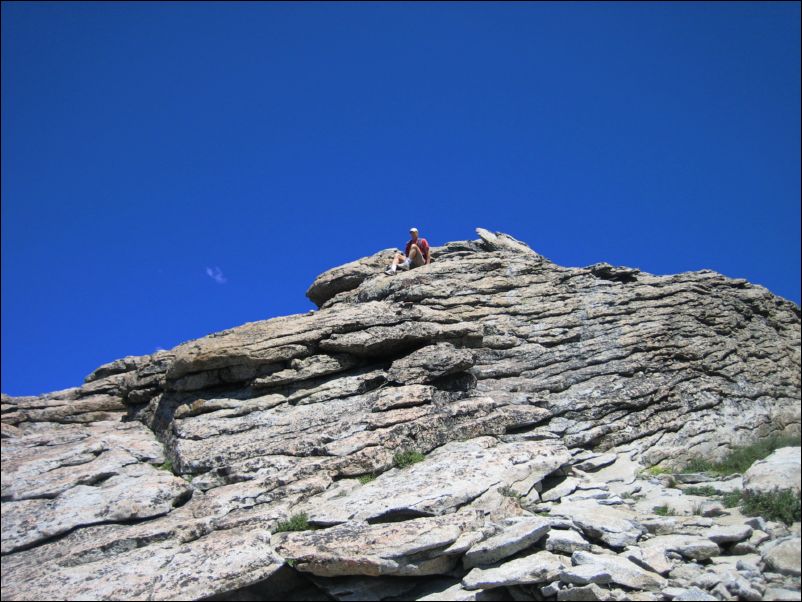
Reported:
(349, 276)
(449, 477)
(517, 535)
(692, 547)
(614, 527)
(540, 567)
(783, 555)
(780, 470)
(725, 534)
(500, 367)
(621, 571)
(408, 548)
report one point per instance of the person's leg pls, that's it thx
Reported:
(410, 260)
(416, 259)
(399, 258)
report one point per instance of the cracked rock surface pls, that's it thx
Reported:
(535, 395)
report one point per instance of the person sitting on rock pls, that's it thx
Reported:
(415, 255)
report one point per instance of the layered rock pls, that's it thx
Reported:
(525, 385)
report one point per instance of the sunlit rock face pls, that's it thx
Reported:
(167, 476)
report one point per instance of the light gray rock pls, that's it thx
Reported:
(621, 571)
(783, 555)
(551, 589)
(758, 523)
(782, 594)
(650, 558)
(566, 487)
(584, 574)
(721, 592)
(584, 592)
(429, 363)
(597, 462)
(448, 478)
(615, 527)
(490, 342)
(136, 491)
(349, 276)
(565, 541)
(689, 546)
(408, 548)
(518, 535)
(539, 567)
(707, 580)
(402, 397)
(457, 593)
(693, 594)
(780, 470)
(198, 567)
(723, 534)
(742, 589)
(712, 508)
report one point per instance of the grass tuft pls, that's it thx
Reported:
(731, 499)
(781, 505)
(367, 478)
(741, 458)
(168, 466)
(298, 522)
(508, 491)
(705, 490)
(663, 511)
(407, 458)
(657, 471)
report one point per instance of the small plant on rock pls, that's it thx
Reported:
(780, 505)
(508, 491)
(663, 511)
(731, 498)
(298, 522)
(407, 458)
(705, 490)
(741, 458)
(168, 466)
(367, 478)
(655, 471)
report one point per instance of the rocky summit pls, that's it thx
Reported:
(474, 429)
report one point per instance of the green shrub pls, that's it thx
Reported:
(298, 522)
(407, 458)
(367, 478)
(741, 458)
(663, 511)
(657, 470)
(698, 465)
(780, 505)
(731, 498)
(508, 491)
(705, 490)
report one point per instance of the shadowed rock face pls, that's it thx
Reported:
(496, 363)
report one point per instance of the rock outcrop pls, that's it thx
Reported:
(531, 393)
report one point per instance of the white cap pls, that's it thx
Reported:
(413, 229)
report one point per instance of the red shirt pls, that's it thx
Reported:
(423, 245)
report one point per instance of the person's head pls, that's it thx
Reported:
(413, 232)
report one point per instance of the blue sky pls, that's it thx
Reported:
(173, 169)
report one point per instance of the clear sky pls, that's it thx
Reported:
(174, 169)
